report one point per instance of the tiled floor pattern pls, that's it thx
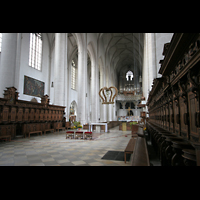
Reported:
(55, 150)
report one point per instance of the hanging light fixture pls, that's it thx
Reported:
(109, 93)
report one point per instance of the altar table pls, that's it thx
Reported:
(99, 124)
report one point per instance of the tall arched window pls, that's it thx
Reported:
(129, 75)
(73, 75)
(35, 50)
(0, 40)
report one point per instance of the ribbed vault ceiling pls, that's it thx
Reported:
(125, 50)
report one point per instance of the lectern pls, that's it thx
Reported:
(124, 126)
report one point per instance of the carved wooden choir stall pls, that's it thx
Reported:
(18, 117)
(173, 103)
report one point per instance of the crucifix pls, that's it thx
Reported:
(129, 109)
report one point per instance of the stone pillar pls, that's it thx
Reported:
(149, 68)
(97, 94)
(94, 92)
(110, 106)
(59, 68)
(145, 72)
(82, 77)
(8, 61)
(103, 106)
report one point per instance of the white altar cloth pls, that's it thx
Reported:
(99, 124)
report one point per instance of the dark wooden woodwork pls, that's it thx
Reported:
(22, 117)
(130, 147)
(189, 157)
(173, 102)
(140, 153)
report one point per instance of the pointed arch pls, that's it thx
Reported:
(73, 108)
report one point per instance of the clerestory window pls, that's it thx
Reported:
(0, 40)
(35, 51)
(129, 75)
(73, 75)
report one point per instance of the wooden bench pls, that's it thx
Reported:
(48, 130)
(130, 147)
(33, 132)
(140, 153)
(6, 136)
(140, 131)
(61, 128)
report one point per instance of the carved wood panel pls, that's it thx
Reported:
(176, 117)
(32, 114)
(5, 114)
(26, 115)
(8, 130)
(171, 115)
(41, 115)
(50, 115)
(13, 114)
(45, 115)
(37, 115)
(193, 106)
(19, 114)
(167, 116)
(183, 119)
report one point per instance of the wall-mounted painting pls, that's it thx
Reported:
(33, 87)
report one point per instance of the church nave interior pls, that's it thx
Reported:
(50, 81)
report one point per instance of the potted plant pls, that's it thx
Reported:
(79, 127)
(134, 127)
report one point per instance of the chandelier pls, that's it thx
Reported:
(109, 94)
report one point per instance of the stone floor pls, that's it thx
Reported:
(53, 149)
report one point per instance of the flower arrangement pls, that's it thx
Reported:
(77, 125)
(133, 123)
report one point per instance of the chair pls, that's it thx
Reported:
(70, 134)
(88, 134)
(79, 134)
